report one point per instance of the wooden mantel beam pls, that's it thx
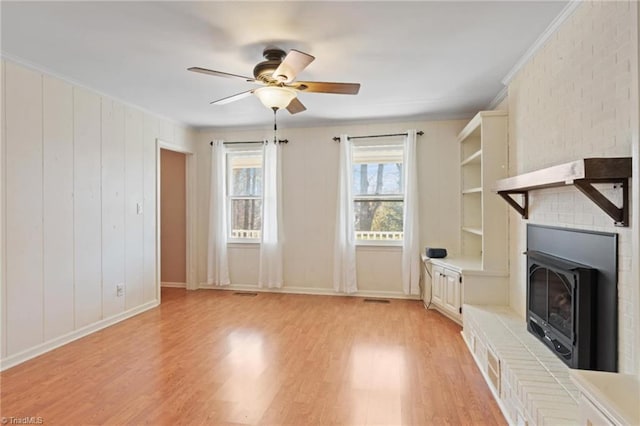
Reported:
(583, 174)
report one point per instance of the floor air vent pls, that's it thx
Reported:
(377, 301)
(244, 293)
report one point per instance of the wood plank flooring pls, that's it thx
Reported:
(212, 357)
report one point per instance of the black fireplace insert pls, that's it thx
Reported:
(560, 307)
(572, 294)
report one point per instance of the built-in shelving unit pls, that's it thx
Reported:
(478, 273)
(483, 160)
(582, 174)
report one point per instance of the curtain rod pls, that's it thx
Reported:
(337, 138)
(244, 142)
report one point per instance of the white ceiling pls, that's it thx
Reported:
(413, 59)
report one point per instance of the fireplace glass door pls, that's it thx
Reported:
(551, 298)
(560, 304)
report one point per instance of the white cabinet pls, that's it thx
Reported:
(452, 295)
(446, 294)
(436, 286)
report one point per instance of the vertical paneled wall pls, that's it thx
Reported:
(58, 237)
(87, 212)
(3, 230)
(24, 236)
(79, 178)
(113, 247)
(133, 203)
(151, 132)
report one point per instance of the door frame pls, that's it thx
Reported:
(190, 210)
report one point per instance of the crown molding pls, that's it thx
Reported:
(546, 35)
(499, 98)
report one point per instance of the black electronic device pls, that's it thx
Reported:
(436, 253)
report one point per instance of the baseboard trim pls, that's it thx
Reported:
(173, 285)
(312, 291)
(19, 358)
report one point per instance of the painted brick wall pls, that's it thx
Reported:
(572, 100)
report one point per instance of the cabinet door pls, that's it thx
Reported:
(451, 292)
(437, 285)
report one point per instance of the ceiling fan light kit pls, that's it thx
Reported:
(275, 96)
(277, 74)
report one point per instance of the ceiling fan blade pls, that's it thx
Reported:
(327, 87)
(220, 74)
(293, 63)
(295, 106)
(233, 98)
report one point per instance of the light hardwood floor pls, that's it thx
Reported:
(212, 357)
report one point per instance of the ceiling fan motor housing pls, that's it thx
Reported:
(264, 70)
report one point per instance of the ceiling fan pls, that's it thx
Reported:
(277, 75)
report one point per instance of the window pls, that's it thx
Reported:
(244, 194)
(378, 191)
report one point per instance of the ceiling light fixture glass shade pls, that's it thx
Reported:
(275, 96)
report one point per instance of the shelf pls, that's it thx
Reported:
(459, 263)
(473, 191)
(474, 158)
(475, 122)
(582, 174)
(474, 231)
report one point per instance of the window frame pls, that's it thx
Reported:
(381, 144)
(235, 152)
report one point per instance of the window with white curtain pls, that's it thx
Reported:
(244, 194)
(378, 190)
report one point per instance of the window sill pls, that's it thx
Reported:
(391, 245)
(243, 244)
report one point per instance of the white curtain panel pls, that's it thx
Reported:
(344, 264)
(271, 258)
(217, 262)
(411, 243)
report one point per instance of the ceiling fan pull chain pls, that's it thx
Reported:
(275, 126)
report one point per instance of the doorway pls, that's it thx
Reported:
(173, 219)
(174, 210)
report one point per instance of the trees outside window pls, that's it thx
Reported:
(244, 192)
(378, 191)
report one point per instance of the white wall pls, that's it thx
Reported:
(75, 164)
(575, 99)
(310, 162)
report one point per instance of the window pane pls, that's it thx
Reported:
(246, 218)
(377, 178)
(246, 174)
(378, 220)
(246, 181)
